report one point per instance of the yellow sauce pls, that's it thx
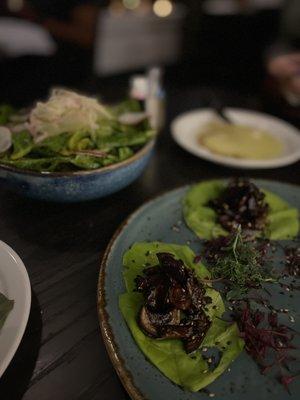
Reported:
(240, 141)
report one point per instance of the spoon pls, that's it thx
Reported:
(219, 109)
(220, 112)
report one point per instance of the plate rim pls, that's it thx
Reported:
(103, 317)
(236, 162)
(27, 306)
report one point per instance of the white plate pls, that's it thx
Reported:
(186, 128)
(14, 284)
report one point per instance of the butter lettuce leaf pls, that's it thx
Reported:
(282, 219)
(169, 356)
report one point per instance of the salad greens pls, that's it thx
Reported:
(192, 372)
(71, 132)
(6, 306)
(5, 112)
(282, 219)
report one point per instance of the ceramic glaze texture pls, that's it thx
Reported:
(161, 219)
(79, 186)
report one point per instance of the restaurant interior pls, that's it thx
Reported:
(223, 44)
(121, 122)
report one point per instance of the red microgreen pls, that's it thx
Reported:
(266, 340)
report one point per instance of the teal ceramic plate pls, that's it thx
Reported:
(161, 219)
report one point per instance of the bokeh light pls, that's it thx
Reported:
(162, 8)
(15, 5)
(131, 4)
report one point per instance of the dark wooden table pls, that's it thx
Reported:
(62, 355)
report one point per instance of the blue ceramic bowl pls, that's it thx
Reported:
(79, 185)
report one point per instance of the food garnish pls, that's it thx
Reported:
(239, 263)
(242, 268)
(175, 301)
(66, 111)
(267, 341)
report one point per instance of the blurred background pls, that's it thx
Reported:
(251, 46)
